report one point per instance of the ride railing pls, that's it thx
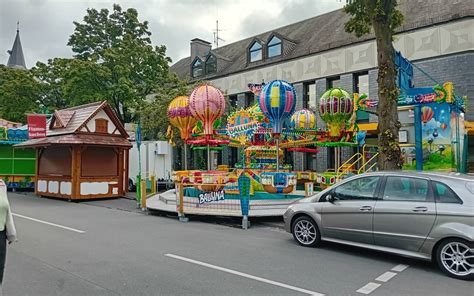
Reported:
(200, 192)
(349, 166)
(369, 165)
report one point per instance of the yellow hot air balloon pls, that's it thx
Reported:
(180, 116)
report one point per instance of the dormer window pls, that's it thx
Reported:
(57, 124)
(211, 64)
(101, 126)
(197, 68)
(255, 52)
(274, 47)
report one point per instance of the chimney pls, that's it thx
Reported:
(199, 48)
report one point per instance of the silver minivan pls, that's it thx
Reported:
(423, 215)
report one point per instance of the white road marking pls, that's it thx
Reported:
(369, 288)
(49, 223)
(386, 276)
(256, 278)
(400, 268)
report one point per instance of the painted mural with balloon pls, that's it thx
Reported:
(438, 121)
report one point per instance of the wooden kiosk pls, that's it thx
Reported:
(84, 156)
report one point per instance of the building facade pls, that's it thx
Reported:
(317, 54)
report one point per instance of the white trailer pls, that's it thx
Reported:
(157, 160)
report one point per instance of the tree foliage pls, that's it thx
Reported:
(18, 90)
(102, 30)
(154, 117)
(116, 61)
(383, 17)
(50, 78)
(367, 12)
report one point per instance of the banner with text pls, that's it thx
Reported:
(36, 126)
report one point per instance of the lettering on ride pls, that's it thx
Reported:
(213, 196)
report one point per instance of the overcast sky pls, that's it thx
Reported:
(45, 25)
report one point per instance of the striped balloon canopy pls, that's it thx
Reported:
(207, 104)
(303, 119)
(180, 116)
(278, 102)
(336, 108)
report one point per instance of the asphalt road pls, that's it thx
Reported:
(110, 248)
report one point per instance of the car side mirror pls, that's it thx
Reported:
(330, 198)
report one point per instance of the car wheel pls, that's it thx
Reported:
(455, 257)
(306, 232)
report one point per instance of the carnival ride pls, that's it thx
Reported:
(263, 132)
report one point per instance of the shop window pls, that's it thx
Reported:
(197, 68)
(101, 126)
(309, 96)
(249, 99)
(334, 82)
(255, 53)
(274, 47)
(211, 65)
(234, 156)
(233, 101)
(361, 86)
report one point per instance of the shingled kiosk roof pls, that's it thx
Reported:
(72, 120)
(325, 32)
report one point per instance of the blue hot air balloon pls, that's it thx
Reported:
(277, 102)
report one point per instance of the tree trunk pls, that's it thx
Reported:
(388, 125)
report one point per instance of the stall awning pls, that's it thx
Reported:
(370, 128)
(77, 139)
(469, 127)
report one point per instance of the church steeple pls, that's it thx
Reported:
(16, 59)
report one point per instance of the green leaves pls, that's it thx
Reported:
(101, 30)
(18, 90)
(116, 61)
(364, 13)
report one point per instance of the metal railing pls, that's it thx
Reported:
(365, 167)
(348, 165)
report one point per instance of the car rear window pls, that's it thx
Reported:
(470, 186)
(444, 194)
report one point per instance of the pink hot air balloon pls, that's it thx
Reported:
(207, 104)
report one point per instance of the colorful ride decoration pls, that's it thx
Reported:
(262, 157)
(207, 104)
(303, 119)
(180, 116)
(208, 181)
(277, 102)
(278, 182)
(362, 102)
(336, 108)
(243, 124)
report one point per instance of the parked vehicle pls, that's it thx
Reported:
(422, 215)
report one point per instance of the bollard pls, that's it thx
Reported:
(138, 183)
(143, 195)
(153, 184)
(244, 190)
(179, 202)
